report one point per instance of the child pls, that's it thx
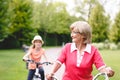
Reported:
(35, 53)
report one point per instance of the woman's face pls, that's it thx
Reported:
(37, 43)
(76, 36)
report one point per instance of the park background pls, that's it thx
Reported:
(21, 20)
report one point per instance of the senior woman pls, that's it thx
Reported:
(80, 56)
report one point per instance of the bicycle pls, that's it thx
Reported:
(37, 76)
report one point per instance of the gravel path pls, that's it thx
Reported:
(52, 54)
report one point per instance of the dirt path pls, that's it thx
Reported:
(52, 54)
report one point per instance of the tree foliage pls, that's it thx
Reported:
(60, 19)
(3, 19)
(114, 33)
(53, 17)
(99, 23)
(84, 7)
(20, 21)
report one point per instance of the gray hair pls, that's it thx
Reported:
(84, 29)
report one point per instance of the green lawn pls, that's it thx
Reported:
(112, 58)
(13, 68)
(11, 65)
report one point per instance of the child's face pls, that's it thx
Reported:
(38, 43)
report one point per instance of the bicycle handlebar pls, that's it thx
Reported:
(99, 74)
(38, 63)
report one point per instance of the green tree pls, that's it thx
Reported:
(99, 23)
(53, 15)
(3, 19)
(53, 19)
(20, 22)
(114, 33)
(84, 8)
(60, 19)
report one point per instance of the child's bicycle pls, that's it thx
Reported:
(37, 76)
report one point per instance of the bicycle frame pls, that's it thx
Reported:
(101, 74)
(37, 76)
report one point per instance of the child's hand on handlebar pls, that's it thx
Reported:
(25, 60)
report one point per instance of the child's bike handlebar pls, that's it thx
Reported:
(39, 63)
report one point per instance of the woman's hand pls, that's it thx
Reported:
(110, 72)
(49, 76)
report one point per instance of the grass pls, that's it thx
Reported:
(13, 68)
(111, 58)
(11, 65)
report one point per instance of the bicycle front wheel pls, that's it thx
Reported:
(36, 78)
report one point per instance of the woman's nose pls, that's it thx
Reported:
(72, 34)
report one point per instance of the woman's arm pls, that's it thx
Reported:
(56, 66)
(100, 65)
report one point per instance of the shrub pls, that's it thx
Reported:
(104, 45)
(99, 45)
(118, 45)
(113, 46)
